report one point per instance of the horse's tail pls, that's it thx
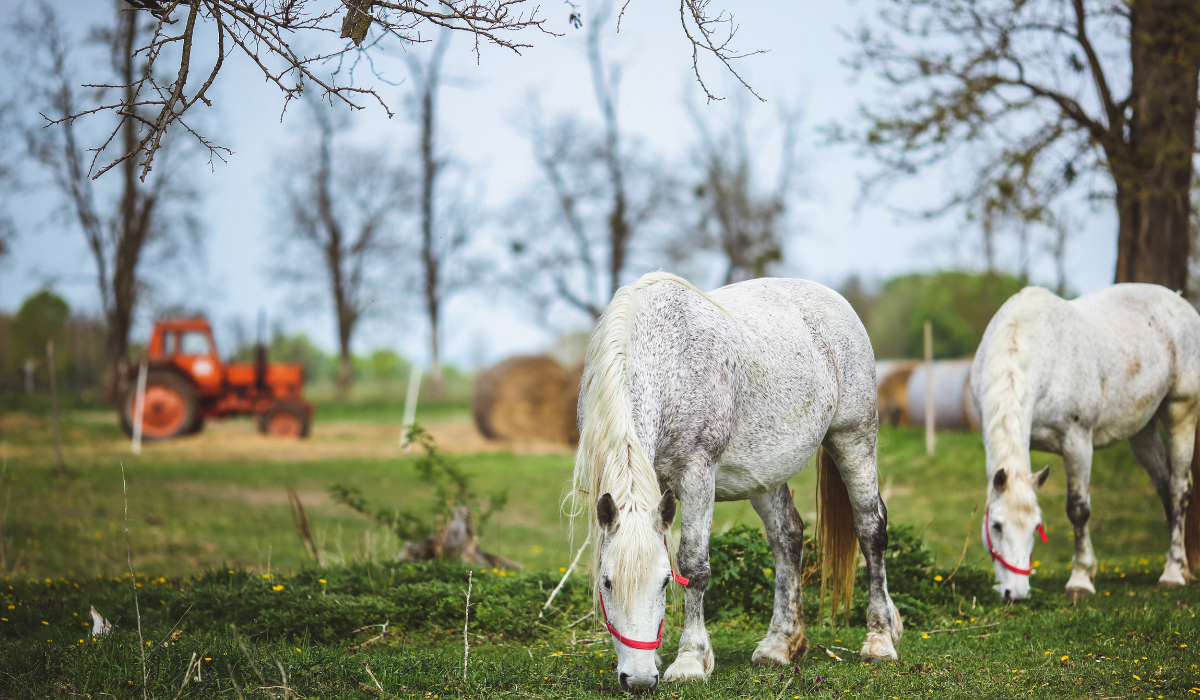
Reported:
(835, 537)
(1191, 523)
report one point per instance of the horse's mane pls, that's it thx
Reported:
(1006, 389)
(610, 459)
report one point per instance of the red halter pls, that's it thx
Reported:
(996, 555)
(631, 643)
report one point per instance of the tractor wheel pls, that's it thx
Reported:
(170, 407)
(285, 419)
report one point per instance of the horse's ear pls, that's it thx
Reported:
(666, 509)
(606, 511)
(1040, 477)
(1000, 480)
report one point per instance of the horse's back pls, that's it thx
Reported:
(1102, 362)
(805, 367)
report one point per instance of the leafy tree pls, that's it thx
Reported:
(959, 304)
(41, 318)
(1047, 97)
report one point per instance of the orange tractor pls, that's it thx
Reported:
(186, 382)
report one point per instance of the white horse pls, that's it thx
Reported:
(724, 397)
(1067, 377)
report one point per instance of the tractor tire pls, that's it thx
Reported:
(170, 409)
(286, 419)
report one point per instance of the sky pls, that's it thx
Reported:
(832, 232)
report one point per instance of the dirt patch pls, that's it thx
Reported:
(237, 440)
(250, 496)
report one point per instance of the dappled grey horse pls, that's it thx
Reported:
(1070, 376)
(724, 397)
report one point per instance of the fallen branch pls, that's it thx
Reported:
(581, 619)
(832, 655)
(466, 622)
(951, 630)
(367, 666)
(785, 687)
(565, 575)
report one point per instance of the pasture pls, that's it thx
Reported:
(212, 537)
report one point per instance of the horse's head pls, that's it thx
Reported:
(632, 579)
(1010, 522)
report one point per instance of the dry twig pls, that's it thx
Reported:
(133, 581)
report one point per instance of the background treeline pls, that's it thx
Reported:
(959, 304)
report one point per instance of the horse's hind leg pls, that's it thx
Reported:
(785, 531)
(1180, 421)
(854, 453)
(1150, 452)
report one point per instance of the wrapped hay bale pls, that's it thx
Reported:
(891, 381)
(522, 398)
(952, 405)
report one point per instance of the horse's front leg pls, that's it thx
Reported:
(1181, 435)
(785, 531)
(696, 489)
(1077, 463)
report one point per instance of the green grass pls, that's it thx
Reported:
(191, 521)
(1137, 641)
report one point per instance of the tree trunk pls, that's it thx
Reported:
(346, 320)
(429, 255)
(1154, 174)
(133, 225)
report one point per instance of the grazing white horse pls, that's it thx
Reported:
(724, 397)
(1069, 376)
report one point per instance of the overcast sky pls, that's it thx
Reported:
(480, 118)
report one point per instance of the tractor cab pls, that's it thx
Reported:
(188, 345)
(186, 382)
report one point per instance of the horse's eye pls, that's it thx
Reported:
(608, 584)
(665, 582)
(997, 527)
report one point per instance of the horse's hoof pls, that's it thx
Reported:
(1169, 584)
(1074, 594)
(872, 660)
(689, 668)
(780, 651)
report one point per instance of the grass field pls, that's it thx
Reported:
(216, 502)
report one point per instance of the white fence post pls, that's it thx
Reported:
(139, 406)
(410, 402)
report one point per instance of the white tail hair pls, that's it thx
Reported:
(610, 458)
(1006, 386)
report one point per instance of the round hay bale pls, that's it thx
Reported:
(521, 398)
(951, 395)
(891, 378)
(570, 405)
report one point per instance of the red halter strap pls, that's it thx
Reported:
(633, 643)
(987, 530)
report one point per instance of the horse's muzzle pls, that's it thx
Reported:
(638, 686)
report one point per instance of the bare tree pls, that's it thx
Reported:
(1044, 93)
(427, 81)
(269, 34)
(339, 203)
(574, 246)
(120, 228)
(736, 219)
